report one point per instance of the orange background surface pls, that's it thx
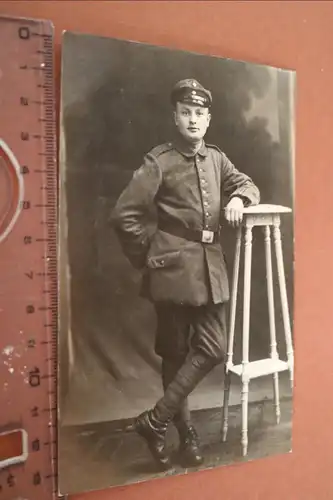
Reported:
(295, 35)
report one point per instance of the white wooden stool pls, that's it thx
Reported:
(266, 216)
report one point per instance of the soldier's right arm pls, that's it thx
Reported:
(129, 215)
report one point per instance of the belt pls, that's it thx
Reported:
(204, 236)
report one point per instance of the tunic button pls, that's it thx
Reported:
(207, 214)
(206, 203)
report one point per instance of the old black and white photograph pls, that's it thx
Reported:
(176, 346)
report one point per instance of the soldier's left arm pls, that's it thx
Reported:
(236, 183)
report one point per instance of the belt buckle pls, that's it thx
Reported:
(207, 236)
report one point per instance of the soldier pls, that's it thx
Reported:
(190, 184)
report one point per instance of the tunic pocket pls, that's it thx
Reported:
(166, 260)
(166, 276)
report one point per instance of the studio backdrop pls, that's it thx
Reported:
(116, 107)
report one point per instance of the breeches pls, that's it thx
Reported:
(191, 341)
(184, 328)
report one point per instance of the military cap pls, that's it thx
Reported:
(190, 91)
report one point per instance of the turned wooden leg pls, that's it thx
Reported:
(246, 332)
(233, 299)
(284, 299)
(276, 397)
(271, 314)
(231, 334)
(245, 403)
(227, 381)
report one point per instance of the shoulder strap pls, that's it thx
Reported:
(213, 146)
(160, 149)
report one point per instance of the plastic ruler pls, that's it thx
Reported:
(28, 258)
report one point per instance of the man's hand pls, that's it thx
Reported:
(234, 211)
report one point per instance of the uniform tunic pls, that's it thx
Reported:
(188, 191)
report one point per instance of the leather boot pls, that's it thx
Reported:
(154, 434)
(189, 448)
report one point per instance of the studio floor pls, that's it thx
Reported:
(99, 455)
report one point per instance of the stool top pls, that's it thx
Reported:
(263, 208)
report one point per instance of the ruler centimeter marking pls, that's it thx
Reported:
(28, 260)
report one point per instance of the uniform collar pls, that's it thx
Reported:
(185, 148)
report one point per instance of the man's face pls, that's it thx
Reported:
(192, 121)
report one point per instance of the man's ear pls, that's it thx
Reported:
(209, 116)
(175, 117)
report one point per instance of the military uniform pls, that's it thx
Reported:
(189, 194)
(183, 264)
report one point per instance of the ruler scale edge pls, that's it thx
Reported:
(48, 211)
